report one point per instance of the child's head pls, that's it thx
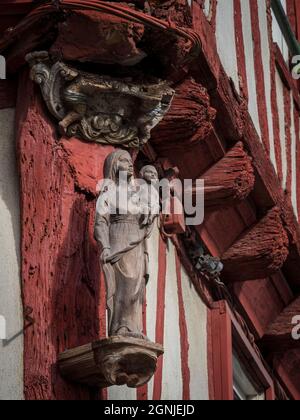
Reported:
(149, 173)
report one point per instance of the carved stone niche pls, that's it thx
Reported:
(99, 108)
(112, 361)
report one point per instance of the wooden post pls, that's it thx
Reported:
(222, 353)
(278, 337)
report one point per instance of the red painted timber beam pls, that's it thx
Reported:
(226, 334)
(16, 7)
(279, 337)
(234, 124)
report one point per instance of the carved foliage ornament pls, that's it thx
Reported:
(99, 108)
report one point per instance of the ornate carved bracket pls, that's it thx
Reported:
(99, 108)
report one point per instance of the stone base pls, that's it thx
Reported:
(114, 361)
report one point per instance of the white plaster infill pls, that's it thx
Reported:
(2, 328)
(2, 68)
(11, 308)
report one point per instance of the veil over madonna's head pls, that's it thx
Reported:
(110, 171)
(111, 164)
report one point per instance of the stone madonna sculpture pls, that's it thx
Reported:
(125, 215)
(124, 220)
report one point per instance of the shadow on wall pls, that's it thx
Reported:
(76, 294)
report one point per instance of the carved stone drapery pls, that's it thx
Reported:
(122, 228)
(99, 108)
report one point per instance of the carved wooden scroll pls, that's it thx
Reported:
(99, 108)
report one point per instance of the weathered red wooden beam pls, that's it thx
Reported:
(278, 337)
(41, 32)
(286, 368)
(286, 75)
(107, 39)
(15, 7)
(189, 120)
(234, 123)
(230, 180)
(291, 267)
(260, 252)
(177, 11)
(57, 241)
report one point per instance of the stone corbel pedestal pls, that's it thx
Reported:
(113, 361)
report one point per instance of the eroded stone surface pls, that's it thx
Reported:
(113, 361)
(98, 108)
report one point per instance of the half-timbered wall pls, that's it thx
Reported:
(172, 308)
(60, 270)
(261, 46)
